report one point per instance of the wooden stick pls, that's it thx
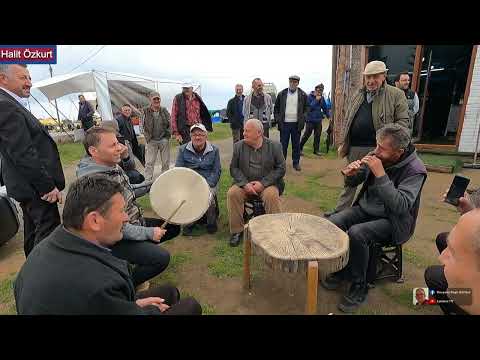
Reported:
(173, 214)
(246, 258)
(312, 287)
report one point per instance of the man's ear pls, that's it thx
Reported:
(93, 221)
(92, 150)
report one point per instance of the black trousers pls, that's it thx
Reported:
(435, 279)
(237, 134)
(317, 129)
(40, 218)
(266, 130)
(290, 130)
(185, 135)
(187, 306)
(363, 231)
(149, 258)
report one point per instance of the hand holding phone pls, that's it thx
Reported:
(457, 189)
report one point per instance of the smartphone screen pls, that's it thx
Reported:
(457, 189)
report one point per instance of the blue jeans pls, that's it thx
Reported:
(291, 130)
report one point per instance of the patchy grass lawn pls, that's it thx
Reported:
(7, 300)
(443, 160)
(70, 152)
(220, 131)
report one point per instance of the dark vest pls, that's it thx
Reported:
(403, 225)
(182, 114)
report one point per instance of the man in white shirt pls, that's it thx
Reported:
(290, 111)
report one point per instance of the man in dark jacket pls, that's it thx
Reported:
(188, 109)
(385, 210)
(156, 128)
(73, 271)
(257, 169)
(290, 111)
(85, 113)
(317, 111)
(125, 127)
(204, 158)
(235, 113)
(31, 168)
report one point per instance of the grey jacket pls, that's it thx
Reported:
(148, 123)
(389, 106)
(273, 164)
(382, 196)
(247, 102)
(134, 230)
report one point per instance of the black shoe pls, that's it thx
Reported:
(212, 228)
(356, 296)
(317, 153)
(329, 213)
(235, 239)
(188, 230)
(301, 153)
(297, 167)
(332, 281)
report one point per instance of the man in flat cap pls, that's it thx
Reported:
(290, 111)
(156, 125)
(371, 108)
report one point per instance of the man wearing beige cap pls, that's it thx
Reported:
(156, 127)
(188, 108)
(372, 107)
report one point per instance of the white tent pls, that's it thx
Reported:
(112, 89)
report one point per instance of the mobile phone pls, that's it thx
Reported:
(457, 189)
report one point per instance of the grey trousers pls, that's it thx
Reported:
(348, 194)
(363, 231)
(237, 134)
(152, 149)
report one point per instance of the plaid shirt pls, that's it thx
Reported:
(193, 113)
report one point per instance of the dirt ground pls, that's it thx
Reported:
(283, 293)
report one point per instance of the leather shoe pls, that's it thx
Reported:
(329, 213)
(317, 153)
(235, 239)
(212, 228)
(357, 295)
(297, 167)
(332, 281)
(188, 230)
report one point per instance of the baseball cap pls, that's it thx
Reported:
(154, 94)
(198, 126)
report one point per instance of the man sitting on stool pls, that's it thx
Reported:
(203, 157)
(257, 169)
(73, 271)
(386, 208)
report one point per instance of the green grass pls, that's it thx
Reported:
(312, 189)
(170, 274)
(144, 202)
(308, 148)
(220, 131)
(70, 152)
(207, 309)
(413, 257)
(228, 260)
(443, 160)
(7, 300)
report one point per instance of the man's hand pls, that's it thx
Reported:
(179, 138)
(464, 203)
(249, 189)
(375, 165)
(53, 196)
(352, 168)
(258, 187)
(155, 301)
(158, 233)
(124, 154)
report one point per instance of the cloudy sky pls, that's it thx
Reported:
(216, 67)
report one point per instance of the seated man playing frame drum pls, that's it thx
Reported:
(204, 158)
(257, 169)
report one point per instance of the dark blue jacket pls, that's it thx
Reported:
(317, 109)
(206, 164)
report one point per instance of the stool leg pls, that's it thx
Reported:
(246, 258)
(312, 287)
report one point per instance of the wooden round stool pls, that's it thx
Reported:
(297, 242)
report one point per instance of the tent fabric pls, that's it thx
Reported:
(112, 89)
